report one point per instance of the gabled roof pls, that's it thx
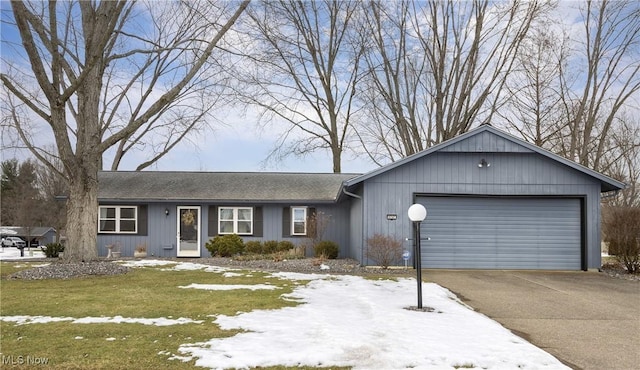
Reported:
(508, 143)
(220, 186)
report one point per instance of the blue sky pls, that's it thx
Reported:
(228, 150)
(237, 146)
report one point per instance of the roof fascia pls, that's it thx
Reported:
(213, 201)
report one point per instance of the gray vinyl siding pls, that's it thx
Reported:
(486, 142)
(458, 173)
(161, 236)
(337, 228)
(356, 210)
(161, 233)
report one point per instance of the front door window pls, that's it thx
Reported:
(188, 231)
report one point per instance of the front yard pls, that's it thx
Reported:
(186, 315)
(141, 293)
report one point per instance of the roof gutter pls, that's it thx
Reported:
(344, 190)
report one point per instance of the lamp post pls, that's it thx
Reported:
(417, 213)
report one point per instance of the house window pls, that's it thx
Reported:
(235, 220)
(118, 219)
(298, 220)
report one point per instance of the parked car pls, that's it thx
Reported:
(13, 241)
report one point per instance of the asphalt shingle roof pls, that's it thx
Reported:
(220, 186)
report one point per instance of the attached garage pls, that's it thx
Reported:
(502, 232)
(493, 202)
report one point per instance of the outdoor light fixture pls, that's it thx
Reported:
(483, 163)
(166, 211)
(417, 213)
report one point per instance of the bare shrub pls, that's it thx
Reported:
(316, 226)
(317, 223)
(384, 249)
(621, 229)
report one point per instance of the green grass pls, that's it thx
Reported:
(8, 268)
(141, 293)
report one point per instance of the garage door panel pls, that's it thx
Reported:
(504, 233)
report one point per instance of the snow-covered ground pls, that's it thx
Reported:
(351, 321)
(11, 253)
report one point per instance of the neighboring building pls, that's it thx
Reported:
(493, 201)
(41, 234)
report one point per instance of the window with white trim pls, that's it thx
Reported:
(299, 220)
(118, 219)
(235, 220)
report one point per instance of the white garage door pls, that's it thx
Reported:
(501, 233)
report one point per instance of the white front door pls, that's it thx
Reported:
(188, 231)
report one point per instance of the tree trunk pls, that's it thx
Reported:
(337, 159)
(82, 217)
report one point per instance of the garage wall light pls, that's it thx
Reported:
(166, 211)
(483, 163)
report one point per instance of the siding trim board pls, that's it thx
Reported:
(584, 253)
(505, 245)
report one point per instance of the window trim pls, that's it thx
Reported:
(293, 220)
(118, 219)
(235, 220)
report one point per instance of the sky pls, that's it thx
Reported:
(241, 147)
(237, 146)
(234, 145)
(342, 321)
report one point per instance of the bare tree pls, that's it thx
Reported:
(622, 159)
(621, 227)
(442, 69)
(396, 122)
(303, 71)
(52, 187)
(102, 77)
(534, 104)
(610, 48)
(575, 91)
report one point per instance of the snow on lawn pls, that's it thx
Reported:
(158, 321)
(177, 266)
(351, 321)
(12, 254)
(146, 263)
(346, 321)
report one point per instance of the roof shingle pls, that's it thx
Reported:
(220, 186)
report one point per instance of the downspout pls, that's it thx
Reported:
(344, 190)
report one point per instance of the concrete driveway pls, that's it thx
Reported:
(585, 319)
